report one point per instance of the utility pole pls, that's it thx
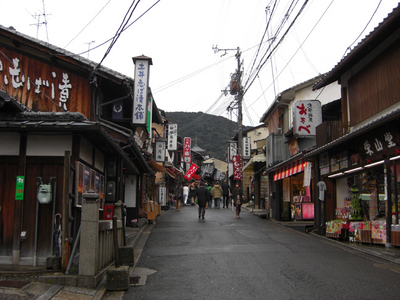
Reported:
(237, 90)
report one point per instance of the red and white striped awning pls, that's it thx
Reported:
(289, 170)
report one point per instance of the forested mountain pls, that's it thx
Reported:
(209, 132)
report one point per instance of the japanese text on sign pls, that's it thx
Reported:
(160, 151)
(237, 167)
(246, 148)
(19, 189)
(20, 80)
(307, 116)
(186, 150)
(140, 94)
(172, 136)
(378, 144)
(192, 170)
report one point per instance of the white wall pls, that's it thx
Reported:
(130, 190)
(86, 151)
(48, 145)
(9, 143)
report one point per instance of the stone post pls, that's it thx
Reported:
(89, 242)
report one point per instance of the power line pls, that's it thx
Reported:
(349, 48)
(297, 49)
(87, 25)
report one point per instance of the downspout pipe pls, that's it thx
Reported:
(39, 181)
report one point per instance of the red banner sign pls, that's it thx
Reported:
(193, 168)
(237, 167)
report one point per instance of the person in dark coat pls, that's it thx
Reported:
(238, 197)
(226, 189)
(202, 199)
(178, 196)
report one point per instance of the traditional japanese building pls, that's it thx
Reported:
(67, 127)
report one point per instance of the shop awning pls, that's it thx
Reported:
(256, 158)
(162, 169)
(289, 170)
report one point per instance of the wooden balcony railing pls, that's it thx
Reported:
(329, 131)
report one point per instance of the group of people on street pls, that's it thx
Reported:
(204, 195)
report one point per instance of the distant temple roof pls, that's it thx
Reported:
(197, 149)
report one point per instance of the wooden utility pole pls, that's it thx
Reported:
(238, 92)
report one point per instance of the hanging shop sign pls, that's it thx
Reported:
(149, 117)
(192, 170)
(162, 191)
(139, 113)
(187, 157)
(172, 136)
(246, 148)
(307, 115)
(160, 151)
(232, 150)
(237, 167)
(307, 174)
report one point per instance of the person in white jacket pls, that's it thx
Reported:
(185, 194)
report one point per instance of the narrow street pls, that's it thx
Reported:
(222, 257)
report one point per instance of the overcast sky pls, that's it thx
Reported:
(179, 36)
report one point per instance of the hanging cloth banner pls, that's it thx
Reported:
(289, 170)
(193, 168)
(237, 167)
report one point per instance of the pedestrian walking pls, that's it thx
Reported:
(238, 197)
(216, 194)
(209, 189)
(185, 194)
(226, 190)
(202, 198)
(178, 196)
(192, 192)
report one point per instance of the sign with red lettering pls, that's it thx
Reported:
(186, 150)
(192, 170)
(237, 167)
(307, 115)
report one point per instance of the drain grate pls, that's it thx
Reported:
(13, 283)
(135, 280)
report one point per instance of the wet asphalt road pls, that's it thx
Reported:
(222, 257)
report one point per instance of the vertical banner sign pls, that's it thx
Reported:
(193, 168)
(246, 148)
(19, 189)
(237, 167)
(232, 150)
(162, 191)
(307, 115)
(149, 117)
(117, 110)
(186, 150)
(307, 174)
(140, 92)
(172, 136)
(160, 151)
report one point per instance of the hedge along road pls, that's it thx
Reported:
(223, 257)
